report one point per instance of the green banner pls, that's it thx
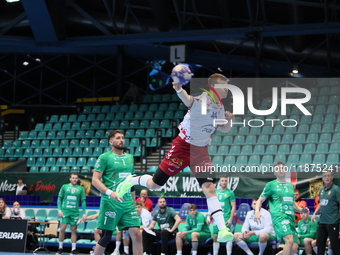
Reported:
(47, 185)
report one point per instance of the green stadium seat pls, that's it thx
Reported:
(217, 160)
(235, 150)
(60, 162)
(26, 144)
(287, 139)
(70, 134)
(315, 128)
(155, 124)
(54, 169)
(72, 118)
(67, 152)
(97, 151)
(324, 90)
(37, 152)
(313, 100)
(291, 130)
(239, 140)
(306, 119)
(333, 159)
(130, 133)
(327, 127)
(323, 148)
(314, 91)
(100, 116)
(227, 140)
(247, 150)
(63, 143)
(312, 138)
(271, 149)
(305, 159)
(89, 134)
(80, 134)
(254, 160)
(53, 144)
(28, 153)
(110, 116)
(322, 100)
(125, 124)
(16, 144)
(267, 160)
(124, 108)
(103, 143)
(18, 153)
(40, 162)
(33, 135)
(319, 159)
(63, 118)
(309, 148)
(266, 130)
(95, 125)
(114, 108)
(54, 118)
(337, 127)
(104, 124)
(320, 109)
(149, 115)
(168, 115)
(39, 127)
(84, 125)
(229, 160)
(65, 126)
(50, 162)
(223, 150)
(87, 109)
(212, 150)
(23, 135)
(296, 149)
(284, 149)
(275, 139)
(335, 90)
(44, 169)
(263, 139)
(46, 143)
(163, 107)
(93, 143)
(48, 126)
(300, 138)
(303, 129)
(335, 148)
(243, 130)
(76, 125)
(129, 116)
(179, 115)
(91, 161)
(296, 117)
(138, 115)
(144, 124)
(74, 143)
(35, 144)
(140, 133)
(251, 139)
(84, 143)
(99, 134)
(41, 135)
(150, 132)
(279, 157)
(81, 161)
(29, 213)
(57, 152)
(134, 124)
(77, 152)
(33, 169)
(51, 134)
(242, 160)
(134, 142)
(330, 118)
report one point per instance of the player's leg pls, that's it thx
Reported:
(314, 247)
(195, 236)
(118, 242)
(308, 245)
(136, 237)
(322, 238)
(126, 242)
(289, 241)
(216, 244)
(238, 237)
(103, 242)
(262, 241)
(179, 242)
(333, 233)
(74, 239)
(63, 225)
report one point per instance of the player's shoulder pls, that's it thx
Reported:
(128, 155)
(271, 183)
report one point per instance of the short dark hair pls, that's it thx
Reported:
(73, 174)
(224, 176)
(139, 203)
(279, 163)
(114, 132)
(21, 178)
(255, 199)
(212, 80)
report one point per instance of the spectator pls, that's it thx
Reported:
(196, 230)
(329, 218)
(144, 215)
(147, 202)
(252, 231)
(20, 186)
(131, 96)
(301, 203)
(168, 221)
(307, 231)
(17, 211)
(4, 209)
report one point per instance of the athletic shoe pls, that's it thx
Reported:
(75, 251)
(115, 252)
(60, 251)
(124, 187)
(224, 235)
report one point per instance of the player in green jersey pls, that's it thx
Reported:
(112, 168)
(280, 196)
(68, 209)
(226, 197)
(195, 230)
(307, 232)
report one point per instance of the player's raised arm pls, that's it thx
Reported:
(183, 95)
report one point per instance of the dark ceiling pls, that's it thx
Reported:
(262, 37)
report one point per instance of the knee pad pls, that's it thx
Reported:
(106, 238)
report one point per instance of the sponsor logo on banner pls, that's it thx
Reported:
(11, 235)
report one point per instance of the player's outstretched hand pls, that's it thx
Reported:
(229, 116)
(176, 86)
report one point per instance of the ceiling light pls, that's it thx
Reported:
(12, 1)
(25, 63)
(295, 69)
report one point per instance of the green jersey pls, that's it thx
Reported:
(165, 219)
(280, 196)
(69, 197)
(196, 224)
(115, 168)
(307, 229)
(329, 204)
(225, 197)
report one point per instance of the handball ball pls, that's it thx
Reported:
(16, 211)
(181, 74)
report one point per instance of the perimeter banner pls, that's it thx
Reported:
(47, 185)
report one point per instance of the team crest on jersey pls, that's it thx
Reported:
(285, 222)
(97, 165)
(110, 214)
(177, 161)
(329, 192)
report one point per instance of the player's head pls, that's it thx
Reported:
(304, 215)
(116, 139)
(279, 169)
(253, 202)
(2, 203)
(143, 193)
(162, 202)
(218, 78)
(223, 181)
(20, 180)
(73, 179)
(139, 207)
(192, 210)
(297, 194)
(327, 177)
